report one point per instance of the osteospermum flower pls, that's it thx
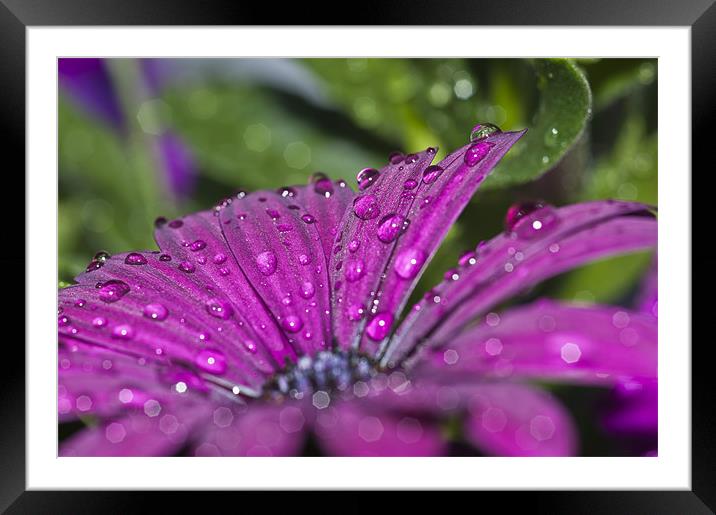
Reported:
(278, 313)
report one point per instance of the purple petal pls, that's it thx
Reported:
(279, 245)
(552, 341)
(177, 163)
(137, 434)
(396, 225)
(649, 295)
(253, 430)
(354, 429)
(516, 420)
(89, 83)
(634, 408)
(509, 264)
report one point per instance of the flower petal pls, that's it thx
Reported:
(552, 341)
(253, 430)
(649, 294)
(510, 263)
(634, 409)
(137, 434)
(392, 232)
(280, 248)
(516, 420)
(354, 429)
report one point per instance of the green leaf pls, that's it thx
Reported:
(614, 79)
(564, 108)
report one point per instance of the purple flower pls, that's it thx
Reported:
(277, 315)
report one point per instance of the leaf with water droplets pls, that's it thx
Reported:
(565, 104)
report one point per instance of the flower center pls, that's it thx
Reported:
(326, 371)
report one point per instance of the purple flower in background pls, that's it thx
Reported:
(89, 83)
(277, 314)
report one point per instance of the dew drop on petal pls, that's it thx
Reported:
(431, 173)
(156, 311)
(165, 257)
(266, 261)
(292, 324)
(135, 258)
(379, 326)
(477, 152)
(355, 312)
(219, 258)
(113, 290)
(307, 290)
(211, 361)
(308, 218)
(529, 220)
(483, 130)
(187, 267)
(366, 207)
(391, 226)
(197, 245)
(219, 309)
(408, 262)
(366, 177)
(123, 332)
(396, 158)
(355, 270)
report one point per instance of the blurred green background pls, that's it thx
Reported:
(145, 138)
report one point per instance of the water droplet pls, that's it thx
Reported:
(551, 137)
(160, 222)
(165, 257)
(477, 152)
(354, 245)
(113, 290)
(135, 259)
(431, 174)
(156, 311)
(408, 262)
(211, 361)
(266, 261)
(391, 226)
(307, 290)
(366, 177)
(176, 224)
(63, 321)
(123, 332)
(322, 184)
(292, 324)
(219, 258)
(379, 326)
(308, 218)
(396, 157)
(467, 258)
(197, 245)
(355, 269)
(304, 259)
(94, 265)
(287, 191)
(102, 256)
(366, 207)
(528, 220)
(451, 275)
(80, 303)
(411, 158)
(483, 130)
(430, 150)
(99, 322)
(187, 266)
(410, 184)
(356, 312)
(219, 309)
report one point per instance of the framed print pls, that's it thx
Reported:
(416, 258)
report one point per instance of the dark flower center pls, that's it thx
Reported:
(326, 372)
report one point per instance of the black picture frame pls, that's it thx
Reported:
(16, 15)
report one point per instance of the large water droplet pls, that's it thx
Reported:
(354, 245)
(292, 324)
(396, 158)
(322, 184)
(211, 361)
(156, 311)
(113, 290)
(135, 258)
(219, 309)
(187, 267)
(483, 130)
(410, 184)
(355, 269)
(391, 226)
(411, 158)
(431, 174)
(266, 261)
(197, 245)
(408, 262)
(379, 326)
(528, 220)
(307, 290)
(477, 152)
(366, 177)
(366, 207)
